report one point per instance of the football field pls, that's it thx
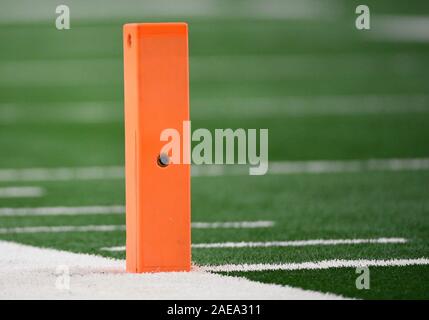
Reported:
(348, 119)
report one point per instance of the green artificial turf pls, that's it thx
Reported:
(384, 283)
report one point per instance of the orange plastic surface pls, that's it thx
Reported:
(156, 80)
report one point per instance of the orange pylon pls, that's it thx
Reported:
(156, 81)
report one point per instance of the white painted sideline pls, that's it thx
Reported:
(32, 273)
(316, 265)
(276, 167)
(21, 192)
(292, 243)
(118, 227)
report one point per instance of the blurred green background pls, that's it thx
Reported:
(300, 68)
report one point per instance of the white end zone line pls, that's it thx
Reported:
(316, 265)
(277, 167)
(292, 243)
(109, 228)
(32, 273)
(22, 192)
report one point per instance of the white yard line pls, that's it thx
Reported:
(109, 228)
(60, 211)
(84, 112)
(21, 192)
(298, 243)
(292, 243)
(316, 265)
(89, 11)
(275, 167)
(233, 224)
(113, 249)
(317, 167)
(349, 166)
(62, 229)
(400, 28)
(298, 106)
(287, 67)
(62, 174)
(252, 107)
(34, 273)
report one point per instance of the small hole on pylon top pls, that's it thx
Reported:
(129, 41)
(163, 160)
